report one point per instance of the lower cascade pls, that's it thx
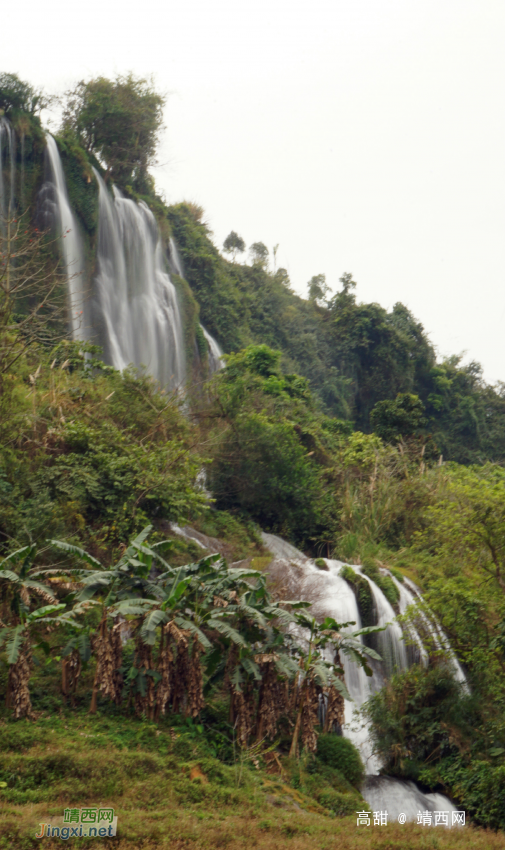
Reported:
(332, 596)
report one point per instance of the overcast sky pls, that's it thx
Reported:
(360, 135)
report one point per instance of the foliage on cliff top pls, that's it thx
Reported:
(119, 121)
(18, 98)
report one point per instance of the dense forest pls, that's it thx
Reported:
(332, 424)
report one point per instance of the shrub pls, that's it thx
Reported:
(341, 754)
(339, 804)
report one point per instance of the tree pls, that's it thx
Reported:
(259, 254)
(17, 96)
(402, 417)
(30, 290)
(319, 678)
(18, 623)
(234, 244)
(282, 276)
(318, 288)
(120, 122)
(466, 526)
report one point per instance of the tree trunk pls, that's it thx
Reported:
(96, 682)
(64, 677)
(296, 733)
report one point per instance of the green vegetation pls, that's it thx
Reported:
(362, 592)
(119, 122)
(356, 356)
(170, 791)
(18, 98)
(331, 424)
(74, 461)
(339, 754)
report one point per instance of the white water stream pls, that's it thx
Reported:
(215, 353)
(131, 306)
(57, 208)
(7, 154)
(135, 308)
(332, 596)
(214, 350)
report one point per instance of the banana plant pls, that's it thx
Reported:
(18, 587)
(18, 639)
(316, 673)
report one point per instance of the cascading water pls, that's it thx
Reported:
(174, 258)
(332, 596)
(215, 353)
(7, 186)
(135, 309)
(391, 646)
(412, 595)
(57, 213)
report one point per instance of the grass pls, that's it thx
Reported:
(169, 793)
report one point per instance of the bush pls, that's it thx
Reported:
(422, 721)
(339, 804)
(340, 754)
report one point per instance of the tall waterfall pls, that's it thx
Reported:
(332, 596)
(131, 306)
(135, 308)
(58, 212)
(7, 180)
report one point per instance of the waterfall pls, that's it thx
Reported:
(214, 350)
(174, 258)
(332, 596)
(391, 646)
(7, 203)
(57, 212)
(135, 309)
(215, 353)
(413, 595)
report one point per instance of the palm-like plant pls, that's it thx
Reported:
(201, 618)
(19, 622)
(319, 678)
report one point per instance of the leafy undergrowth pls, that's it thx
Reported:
(168, 792)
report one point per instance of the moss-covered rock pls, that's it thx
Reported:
(363, 594)
(81, 184)
(385, 583)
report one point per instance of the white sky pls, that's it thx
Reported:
(361, 135)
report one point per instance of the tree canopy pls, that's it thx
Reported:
(119, 121)
(16, 96)
(234, 244)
